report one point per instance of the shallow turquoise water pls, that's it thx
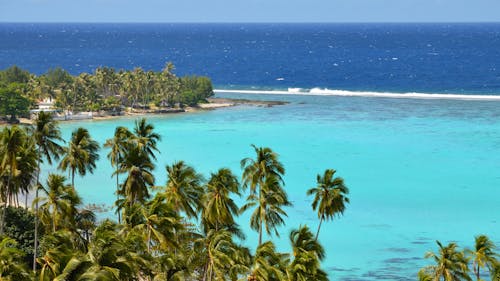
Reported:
(418, 170)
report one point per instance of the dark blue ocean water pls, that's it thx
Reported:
(429, 58)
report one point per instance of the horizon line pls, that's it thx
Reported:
(249, 22)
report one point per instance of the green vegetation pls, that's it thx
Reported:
(453, 264)
(184, 230)
(106, 89)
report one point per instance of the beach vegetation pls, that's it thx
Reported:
(105, 91)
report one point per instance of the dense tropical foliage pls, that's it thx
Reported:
(183, 229)
(106, 89)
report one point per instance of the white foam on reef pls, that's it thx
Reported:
(344, 93)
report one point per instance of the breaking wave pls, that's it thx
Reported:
(344, 93)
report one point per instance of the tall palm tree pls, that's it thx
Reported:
(146, 138)
(47, 135)
(80, 155)
(219, 208)
(330, 196)
(11, 144)
(483, 254)
(264, 177)
(268, 205)
(307, 255)
(183, 189)
(118, 147)
(450, 264)
(12, 267)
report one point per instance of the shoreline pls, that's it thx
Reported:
(213, 104)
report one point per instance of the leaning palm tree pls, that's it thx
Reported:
(450, 264)
(183, 189)
(219, 209)
(47, 135)
(330, 196)
(483, 254)
(118, 147)
(269, 203)
(307, 255)
(12, 267)
(146, 138)
(80, 155)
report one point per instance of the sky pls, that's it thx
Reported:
(249, 10)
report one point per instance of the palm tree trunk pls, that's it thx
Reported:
(73, 178)
(35, 246)
(319, 227)
(2, 221)
(118, 196)
(477, 273)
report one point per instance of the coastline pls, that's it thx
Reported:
(213, 104)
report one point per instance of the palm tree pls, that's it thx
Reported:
(268, 265)
(46, 134)
(85, 222)
(159, 222)
(80, 155)
(139, 169)
(219, 251)
(63, 259)
(483, 254)
(307, 255)
(11, 144)
(265, 165)
(28, 158)
(12, 267)
(183, 189)
(110, 256)
(59, 204)
(118, 145)
(495, 275)
(451, 264)
(219, 208)
(330, 196)
(268, 205)
(145, 137)
(264, 177)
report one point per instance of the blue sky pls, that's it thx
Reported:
(249, 10)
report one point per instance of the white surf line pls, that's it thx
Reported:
(341, 93)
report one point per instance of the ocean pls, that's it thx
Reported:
(419, 169)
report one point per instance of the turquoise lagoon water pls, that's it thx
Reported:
(418, 170)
